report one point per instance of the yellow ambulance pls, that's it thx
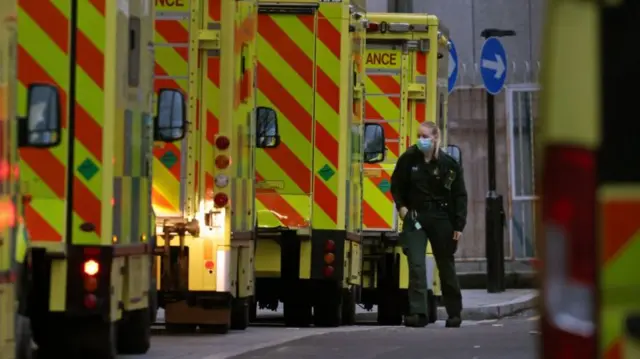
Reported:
(204, 164)
(84, 71)
(309, 122)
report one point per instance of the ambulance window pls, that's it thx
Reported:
(134, 51)
(170, 124)
(43, 118)
(267, 135)
(374, 143)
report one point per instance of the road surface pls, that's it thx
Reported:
(511, 338)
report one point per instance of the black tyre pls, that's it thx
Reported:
(253, 310)
(240, 313)
(389, 312)
(328, 314)
(297, 314)
(134, 332)
(348, 307)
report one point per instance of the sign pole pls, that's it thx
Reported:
(493, 69)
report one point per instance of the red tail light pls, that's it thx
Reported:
(220, 200)
(330, 246)
(373, 27)
(91, 267)
(570, 253)
(222, 142)
(328, 271)
(90, 301)
(329, 258)
(222, 162)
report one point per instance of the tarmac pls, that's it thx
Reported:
(481, 308)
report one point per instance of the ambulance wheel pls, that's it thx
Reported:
(348, 307)
(100, 341)
(328, 314)
(240, 313)
(432, 307)
(297, 314)
(389, 312)
(134, 332)
(253, 310)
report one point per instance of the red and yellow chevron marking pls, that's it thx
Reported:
(286, 71)
(619, 287)
(378, 207)
(211, 108)
(44, 58)
(171, 70)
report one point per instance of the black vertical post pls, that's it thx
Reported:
(494, 208)
(494, 211)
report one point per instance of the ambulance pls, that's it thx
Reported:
(406, 84)
(587, 153)
(15, 341)
(204, 164)
(85, 155)
(309, 123)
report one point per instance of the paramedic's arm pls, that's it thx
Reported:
(400, 184)
(459, 194)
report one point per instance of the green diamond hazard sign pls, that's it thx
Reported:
(169, 159)
(326, 172)
(88, 169)
(384, 185)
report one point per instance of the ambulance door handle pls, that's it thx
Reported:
(633, 326)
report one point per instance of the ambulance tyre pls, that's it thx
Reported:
(328, 314)
(348, 307)
(100, 341)
(389, 312)
(297, 314)
(253, 310)
(240, 313)
(134, 332)
(432, 307)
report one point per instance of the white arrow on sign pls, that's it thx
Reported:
(452, 65)
(497, 66)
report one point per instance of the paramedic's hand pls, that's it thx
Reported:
(457, 235)
(403, 212)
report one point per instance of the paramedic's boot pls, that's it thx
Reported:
(453, 322)
(415, 320)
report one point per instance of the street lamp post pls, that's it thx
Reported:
(494, 209)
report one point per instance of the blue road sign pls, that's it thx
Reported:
(493, 65)
(453, 66)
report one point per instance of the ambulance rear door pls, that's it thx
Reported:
(384, 81)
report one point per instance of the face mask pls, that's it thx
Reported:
(424, 144)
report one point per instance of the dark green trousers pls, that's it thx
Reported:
(436, 227)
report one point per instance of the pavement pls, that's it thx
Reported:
(482, 310)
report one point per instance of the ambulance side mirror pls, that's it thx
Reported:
(170, 123)
(41, 127)
(374, 143)
(454, 151)
(267, 135)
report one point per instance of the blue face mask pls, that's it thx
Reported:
(424, 144)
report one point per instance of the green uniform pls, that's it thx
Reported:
(436, 197)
